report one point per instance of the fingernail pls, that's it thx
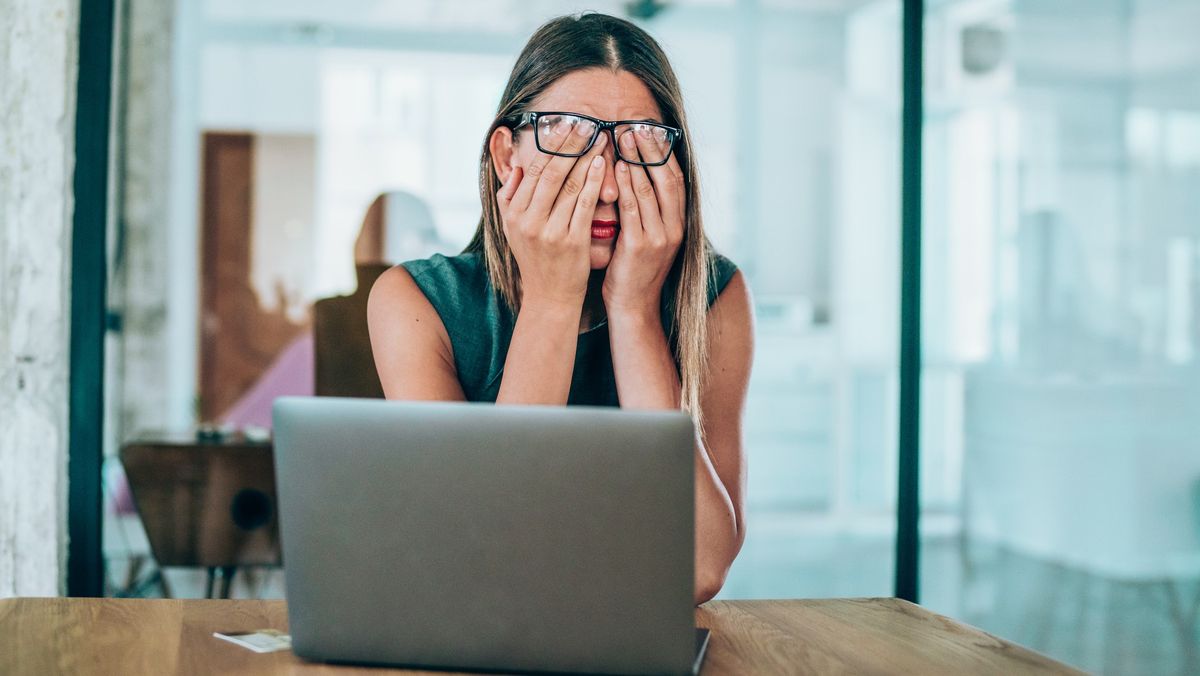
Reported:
(621, 167)
(627, 140)
(597, 161)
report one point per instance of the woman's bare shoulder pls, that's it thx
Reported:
(413, 354)
(734, 304)
(398, 303)
(396, 290)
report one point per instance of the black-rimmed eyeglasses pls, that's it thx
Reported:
(572, 135)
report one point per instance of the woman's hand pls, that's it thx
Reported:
(651, 202)
(547, 217)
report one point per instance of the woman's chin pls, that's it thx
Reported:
(601, 252)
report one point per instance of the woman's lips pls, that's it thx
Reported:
(604, 229)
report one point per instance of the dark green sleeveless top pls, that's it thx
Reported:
(480, 326)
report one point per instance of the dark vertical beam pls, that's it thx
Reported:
(85, 563)
(908, 507)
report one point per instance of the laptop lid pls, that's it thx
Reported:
(477, 536)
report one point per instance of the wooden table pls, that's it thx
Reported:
(858, 636)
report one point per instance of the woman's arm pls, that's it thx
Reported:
(415, 359)
(541, 355)
(647, 379)
(413, 355)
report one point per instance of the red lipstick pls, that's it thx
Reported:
(604, 229)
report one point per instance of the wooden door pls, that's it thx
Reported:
(238, 339)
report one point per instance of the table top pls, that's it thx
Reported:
(145, 636)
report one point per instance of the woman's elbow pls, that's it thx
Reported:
(709, 581)
(710, 575)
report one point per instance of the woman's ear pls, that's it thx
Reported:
(502, 150)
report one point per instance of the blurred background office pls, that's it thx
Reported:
(265, 154)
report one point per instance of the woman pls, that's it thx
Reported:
(589, 279)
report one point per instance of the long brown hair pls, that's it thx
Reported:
(590, 40)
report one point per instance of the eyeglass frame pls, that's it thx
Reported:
(518, 121)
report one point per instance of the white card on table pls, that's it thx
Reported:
(261, 641)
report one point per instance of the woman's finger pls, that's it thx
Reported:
(585, 206)
(643, 189)
(557, 169)
(673, 165)
(542, 166)
(667, 185)
(627, 204)
(505, 194)
(564, 203)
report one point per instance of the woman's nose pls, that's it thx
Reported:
(608, 189)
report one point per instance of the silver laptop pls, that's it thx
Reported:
(483, 537)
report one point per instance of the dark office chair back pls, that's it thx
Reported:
(345, 365)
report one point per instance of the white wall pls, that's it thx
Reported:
(38, 67)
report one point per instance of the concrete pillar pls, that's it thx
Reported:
(39, 42)
(140, 281)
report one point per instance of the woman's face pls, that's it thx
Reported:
(598, 92)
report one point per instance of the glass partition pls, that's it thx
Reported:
(1061, 441)
(275, 154)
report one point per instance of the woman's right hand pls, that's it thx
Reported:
(547, 217)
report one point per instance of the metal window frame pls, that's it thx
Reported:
(89, 279)
(908, 502)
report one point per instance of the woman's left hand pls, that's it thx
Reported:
(651, 203)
